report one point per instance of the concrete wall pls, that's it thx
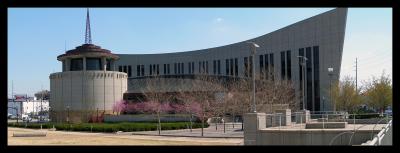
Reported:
(85, 92)
(256, 133)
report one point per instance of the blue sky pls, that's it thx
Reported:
(36, 36)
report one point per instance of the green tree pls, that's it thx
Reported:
(345, 96)
(379, 92)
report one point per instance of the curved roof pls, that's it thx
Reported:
(88, 50)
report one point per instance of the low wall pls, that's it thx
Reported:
(358, 121)
(147, 118)
(310, 137)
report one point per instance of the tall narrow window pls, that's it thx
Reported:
(231, 68)
(289, 64)
(214, 67)
(168, 69)
(309, 105)
(283, 66)
(261, 67)
(236, 67)
(301, 53)
(151, 70)
(200, 67)
(266, 66)
(158, 69)
(207, 67)
(246, 67)
(272, 68)
(142, 69)
(251, 65)
(125, 69)
(316, 78)
(137, 70)
(165, 68)
(108, 61)
(129, 71)
(227, 66)
(183, 68)
(219, 66)
(120, 68)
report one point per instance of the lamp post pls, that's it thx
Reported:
(254, 77)
(303, 65)
(330, 73)
(68, 114)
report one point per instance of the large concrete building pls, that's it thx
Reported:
(319, 38)
(90, 80)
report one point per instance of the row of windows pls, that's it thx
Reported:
(267, 66)
(180, 69)
(286, 65)
(154, 69)
(91, 64)
(140, 70)
(126, 69)
(231, 67)
(311, 78)
(217, 64)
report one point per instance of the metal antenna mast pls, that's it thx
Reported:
(88, 35)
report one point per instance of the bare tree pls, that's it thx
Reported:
(156, 93)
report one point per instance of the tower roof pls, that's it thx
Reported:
(88, 50)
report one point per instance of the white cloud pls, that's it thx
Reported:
(217, 20)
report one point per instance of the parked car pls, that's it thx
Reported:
(26, 118)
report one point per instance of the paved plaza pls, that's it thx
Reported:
(87, 138)
(213, 131)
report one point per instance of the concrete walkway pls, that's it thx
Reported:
(231, 131)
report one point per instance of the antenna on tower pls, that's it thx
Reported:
(88, 36)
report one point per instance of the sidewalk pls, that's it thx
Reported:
(210, 132)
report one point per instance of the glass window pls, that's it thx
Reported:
(151, 69)
(251, 66)
(309, 80)
(261, 66)
(142, 69)
(316, 78)
(125, 69)
(93, 63)
(183, 68)
(76, 64)
(272, 68)
(301, 53)
(227, 66)
(129, 71)
(246, 67)
(231, 64)
(289, 64)
(165, 68)
(137, 70)
(219, 66)
(266, 66)
(168, 69)
(158, 69)
(283, 65)
(236, 66)
(108, 61)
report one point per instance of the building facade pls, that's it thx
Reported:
(319, 38)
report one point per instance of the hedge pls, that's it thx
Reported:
(108, 127)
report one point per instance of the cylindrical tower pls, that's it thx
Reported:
(88, 86)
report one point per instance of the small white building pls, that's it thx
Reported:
(27, 107)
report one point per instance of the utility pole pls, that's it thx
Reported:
(356, 77)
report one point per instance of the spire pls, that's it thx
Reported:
(88, 36)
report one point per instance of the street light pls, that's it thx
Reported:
(68, 114)
(330, 73)
(303, 65)
(254, 77)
